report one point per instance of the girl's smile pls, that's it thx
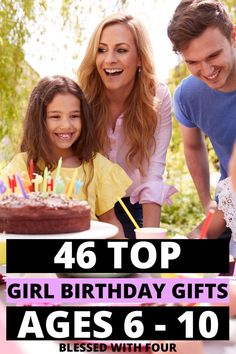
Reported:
(63, 122)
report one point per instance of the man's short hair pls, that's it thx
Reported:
(192, 17)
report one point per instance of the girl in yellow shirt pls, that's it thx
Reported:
(58, 123)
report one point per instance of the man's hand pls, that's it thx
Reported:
(210, 205)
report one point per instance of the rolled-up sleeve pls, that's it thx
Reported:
(152, 188)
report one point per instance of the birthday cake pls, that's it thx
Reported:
(40, 214)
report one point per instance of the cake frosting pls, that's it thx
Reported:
(40, 214)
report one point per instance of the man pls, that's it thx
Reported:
(205, 102)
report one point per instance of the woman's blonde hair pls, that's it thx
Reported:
(141, 117)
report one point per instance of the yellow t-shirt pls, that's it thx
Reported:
(109, 181)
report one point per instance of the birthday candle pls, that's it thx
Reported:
(78, 185)
(31, 169)
(31, 173)
(72, 182)
(45, 177)
(57, 173)
(60, 186)
(49, 182)
(22, 187)
(37, 181)
(3, 188)
(12, 182)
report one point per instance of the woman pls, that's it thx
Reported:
(132, 113)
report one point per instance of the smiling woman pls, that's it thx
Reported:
(117, 61)
(132, 113)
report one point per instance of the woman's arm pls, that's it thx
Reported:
(110, 217)
(151, 214)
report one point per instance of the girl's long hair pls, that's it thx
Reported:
(141, 112)
(35, 139)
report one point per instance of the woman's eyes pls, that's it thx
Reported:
(118, 50)
(101, 50)
(122, 50)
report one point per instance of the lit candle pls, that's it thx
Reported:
(72, 182)
(3, 188)
(45, 178)
(57, 173)
(31, 173)
(37, 181)
(22, 187)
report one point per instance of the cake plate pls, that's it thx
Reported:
(98, 230)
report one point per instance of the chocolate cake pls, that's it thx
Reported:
(40, 214)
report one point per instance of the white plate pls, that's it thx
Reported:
(98, 230)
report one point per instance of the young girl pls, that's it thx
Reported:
(58, 124)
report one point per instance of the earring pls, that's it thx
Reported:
(139, 69)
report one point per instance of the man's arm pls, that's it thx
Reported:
(197, 161)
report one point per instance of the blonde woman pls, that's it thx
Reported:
(132, 113)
